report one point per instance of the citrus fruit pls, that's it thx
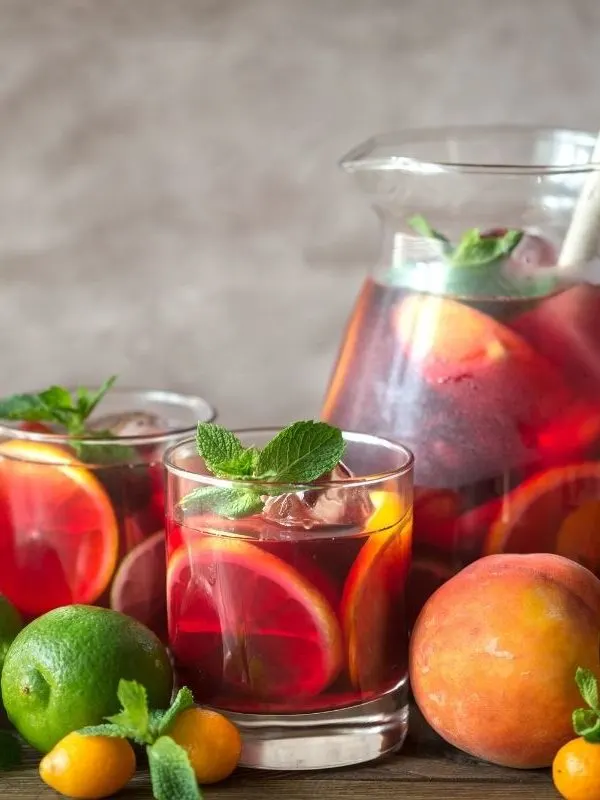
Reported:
(10, 625)
(58, 532)
(372, 607)
(88, 767)
(576, 770)
(251, 622)
(62, 671)
(425, 577)
(451, 339)
(212, 742)
(138, 588)
(555, 511)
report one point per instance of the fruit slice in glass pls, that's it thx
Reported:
(138, 588)
(372, 607)
(555, 511)
(250, 621)
(60, 540)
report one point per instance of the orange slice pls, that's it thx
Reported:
(138, 588)
(250, 623)
(372, 608)
(58, 532)
(557, 511)
(452, 339)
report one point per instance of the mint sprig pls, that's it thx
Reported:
(298, 454)
(474, 248)
(11, 753)
(586, 721)
(55, 405)
(70, 410)
(171, 773)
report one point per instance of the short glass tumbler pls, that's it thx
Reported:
(82, 518)
(292, 621)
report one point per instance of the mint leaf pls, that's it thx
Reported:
(475, 250)
(232, 503)
(183, 701)
(102, 453)
(420, 225)
(109, 729)
(10, 751)
(242, 466)
(218, 447)
(134, 718)
(56, 405)
(171, 773)
(587, 724)
(588, 686)
(301, 453)
(25, 408)
(87, 400)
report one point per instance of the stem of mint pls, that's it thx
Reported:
(298, 454)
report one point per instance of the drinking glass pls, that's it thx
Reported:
(292, 621)
(82, 519)
(484, 360)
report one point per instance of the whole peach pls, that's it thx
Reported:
(494, 651)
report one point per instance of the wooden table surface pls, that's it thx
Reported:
(425, 768)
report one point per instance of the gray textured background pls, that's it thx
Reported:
(170, 206)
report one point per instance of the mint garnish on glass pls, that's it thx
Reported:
(474, 248)
(298, 454)
(171, 773)
(70, 410)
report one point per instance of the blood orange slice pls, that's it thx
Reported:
(557, 511)
(249, 622)
(372, 608)
(58, 531)
(138, 588)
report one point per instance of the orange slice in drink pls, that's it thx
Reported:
(372, 609)
(250, 623)
(451, 339)
(58, 531)
(557, 511)
(138, 588)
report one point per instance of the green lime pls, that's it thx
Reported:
(62, 671)
(10, 624)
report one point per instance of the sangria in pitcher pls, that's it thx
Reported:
(476, 340)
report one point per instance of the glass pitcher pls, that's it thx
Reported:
(475, 343)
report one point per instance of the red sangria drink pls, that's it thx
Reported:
(478, 343)
(82, 497)
(286, 588)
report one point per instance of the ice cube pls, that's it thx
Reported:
(130, 423)
(325, 507)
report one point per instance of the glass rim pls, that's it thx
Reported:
(190, 401)
(347, 483)
(364, 156)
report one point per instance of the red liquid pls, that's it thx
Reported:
(268, 620)
(500, 402)
(82, 535)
